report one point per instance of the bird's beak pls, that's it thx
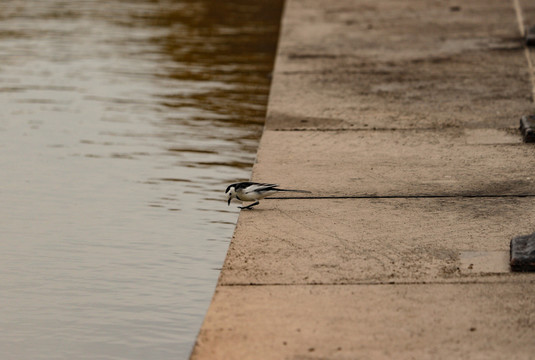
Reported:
(229, 201)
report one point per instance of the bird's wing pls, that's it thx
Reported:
(260, 188)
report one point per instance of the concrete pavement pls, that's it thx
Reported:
(401, 117)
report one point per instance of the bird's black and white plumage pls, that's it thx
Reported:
(252, 191)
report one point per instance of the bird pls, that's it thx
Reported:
(253, 191)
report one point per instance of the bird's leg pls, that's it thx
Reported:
(249, 207)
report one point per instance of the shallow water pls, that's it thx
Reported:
(121, 124)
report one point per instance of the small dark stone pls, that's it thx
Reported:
(530, 36)
(527, 128)
(523, 253)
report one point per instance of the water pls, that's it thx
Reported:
(121, 124)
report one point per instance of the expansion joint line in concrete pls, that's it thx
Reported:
(376, 129)
(357, 129)
(527, 51)
(467, 196)
(506, 280)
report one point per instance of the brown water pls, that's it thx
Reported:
(121, 123)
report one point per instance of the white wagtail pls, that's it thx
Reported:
(252, 191)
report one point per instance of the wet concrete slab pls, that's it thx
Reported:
(434, 321)
(408, 114)
(349, 241)
(468, 162)
(399, 64)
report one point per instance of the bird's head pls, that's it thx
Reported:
(231, 193)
